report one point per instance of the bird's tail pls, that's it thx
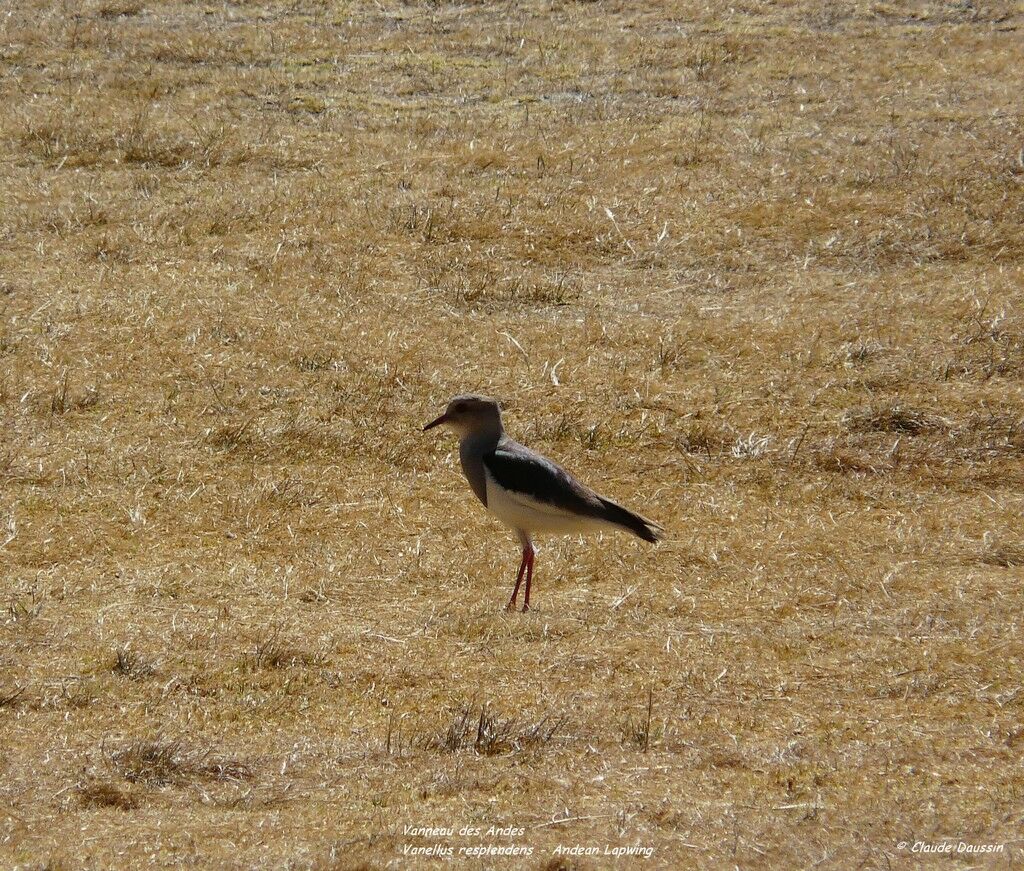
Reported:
(648, 530)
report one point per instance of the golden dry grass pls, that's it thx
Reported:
(754, 269)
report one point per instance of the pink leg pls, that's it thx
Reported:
(530, 554)
(511, 606)
(525, 570)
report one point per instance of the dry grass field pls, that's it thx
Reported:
(754, 269)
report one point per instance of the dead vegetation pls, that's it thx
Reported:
(476, 728)
(639, 730)
(753, 269)
(270, 651)
(102, 794)
(162, 761)
(129, 664)
(895, 418)
(9, 698)
(1006, 555)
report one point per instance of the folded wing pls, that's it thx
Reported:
(547, 487)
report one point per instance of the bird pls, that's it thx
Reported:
(526, 491)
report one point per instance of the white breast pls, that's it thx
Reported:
(520, 511)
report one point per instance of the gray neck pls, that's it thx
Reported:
(472, 449)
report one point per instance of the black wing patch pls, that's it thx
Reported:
(522, 471)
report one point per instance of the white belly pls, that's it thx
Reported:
(520, 511)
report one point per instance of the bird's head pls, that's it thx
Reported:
(469, 414)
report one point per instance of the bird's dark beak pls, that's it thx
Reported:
(437, 422)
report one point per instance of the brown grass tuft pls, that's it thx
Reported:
(101, 794)
(1005, 555)
(640, 731)
(563, 863)
(894, 418)
(160, 761)
(476, 728)
(9, 698)
(270, 651)
(129, 664)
